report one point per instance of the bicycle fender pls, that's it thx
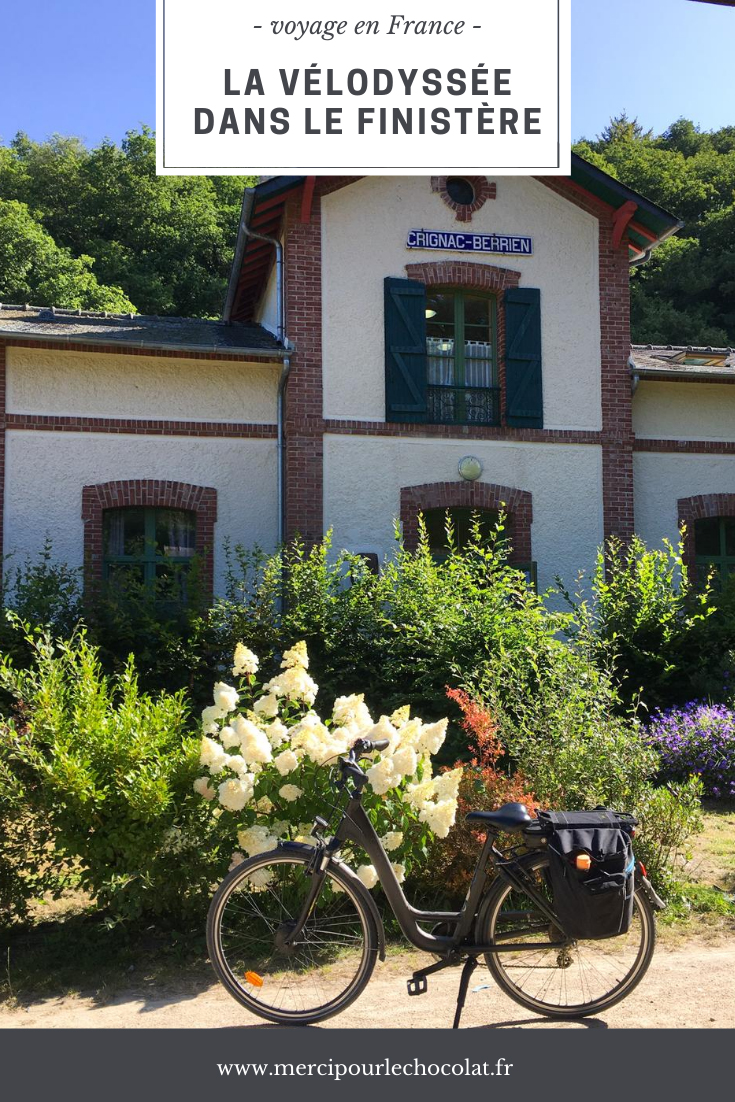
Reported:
(360, 889)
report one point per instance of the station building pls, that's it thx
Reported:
(390, 346)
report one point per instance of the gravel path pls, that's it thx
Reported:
(688, 987)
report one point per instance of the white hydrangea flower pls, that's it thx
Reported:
(254, 742)
(277, 733)
(410, 732)
(237, 764)
(244, 661)
(400, 717)
(209, 717)
(432, 737)
(400, 871)
(286, 762)
(368, 875)
(405, 761)
(237, 859)
(348, 709)
(264, 806)
(259, 878)
(225, 697)
(392, 840)
(382, 776)
(295, 684)
(266, 706)
(385, 729)
(212, 755)
(229, 737)
(235, 793)
(256, 839)
(203, 788)
(439, 817)
(446, 785)
(418, 795)
(290, 792)
(296, 656)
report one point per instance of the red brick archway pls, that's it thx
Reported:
(516, 504)
(692, 509)
(201, 500)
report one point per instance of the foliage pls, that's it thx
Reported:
(685, 294)
(668, 817)
(33, 268)
(111, 771)
(698, 739)
(486, 784)
(166, 240)
(645, 618)
(269, 764)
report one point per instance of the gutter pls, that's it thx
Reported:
(170, 346)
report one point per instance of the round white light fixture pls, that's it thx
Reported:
(470, 467)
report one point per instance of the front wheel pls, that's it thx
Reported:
(292, 983)
(581, 978)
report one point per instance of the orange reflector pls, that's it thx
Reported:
(254, 979)
(642, 867)
(583, 862)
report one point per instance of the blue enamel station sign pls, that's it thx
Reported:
(450, 241)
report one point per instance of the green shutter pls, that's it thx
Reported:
(405, 350)
(523, 392)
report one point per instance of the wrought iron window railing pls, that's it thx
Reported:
(463, 405)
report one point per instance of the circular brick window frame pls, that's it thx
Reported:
(701, 507)
(148, 493)
(517, 505)
(463, 212)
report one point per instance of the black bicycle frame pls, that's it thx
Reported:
(355, 826)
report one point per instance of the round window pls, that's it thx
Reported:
(460, 191)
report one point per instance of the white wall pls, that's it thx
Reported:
(364, 238)
(684, 411)
(363, 477)
(268, 311)
(89, 384)
(661, 479)
(46, 473)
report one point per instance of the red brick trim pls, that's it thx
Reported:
(713, 447)
(461, 432)
(2, 447)
(201, 500)
(617, 399)
(463, 273)
(517, 505)
(57, 423)
(696, 508)
(135, 350)
(482, 187)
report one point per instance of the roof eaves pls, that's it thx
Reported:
(123, 343)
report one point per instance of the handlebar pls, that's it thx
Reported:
(348, 764)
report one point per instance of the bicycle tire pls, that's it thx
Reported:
(489, 919)
(295, 965)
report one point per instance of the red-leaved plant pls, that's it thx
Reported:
(485, 786)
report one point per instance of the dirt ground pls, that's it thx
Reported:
(689, 986)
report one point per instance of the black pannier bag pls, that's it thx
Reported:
(597, 902)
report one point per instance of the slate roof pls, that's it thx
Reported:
(672, 361)
(137, 330)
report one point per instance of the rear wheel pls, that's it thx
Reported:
(297, 983)
(581, 978)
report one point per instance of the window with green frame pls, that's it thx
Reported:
(461, 354)
(461, 519)
(147, 545)
(714, 546)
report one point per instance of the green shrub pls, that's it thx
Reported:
(112, 772)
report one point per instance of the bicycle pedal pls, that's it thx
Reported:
(417, 985)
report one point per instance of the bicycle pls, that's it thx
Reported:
(294, 934)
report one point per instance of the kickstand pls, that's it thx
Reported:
(469, 966)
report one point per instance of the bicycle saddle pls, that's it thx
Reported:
(509, 817)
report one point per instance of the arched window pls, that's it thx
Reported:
(461, 520)
(147, 545)
(462, 357)
(714, 546)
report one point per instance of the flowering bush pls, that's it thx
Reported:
(697, 739)
(265, 764)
